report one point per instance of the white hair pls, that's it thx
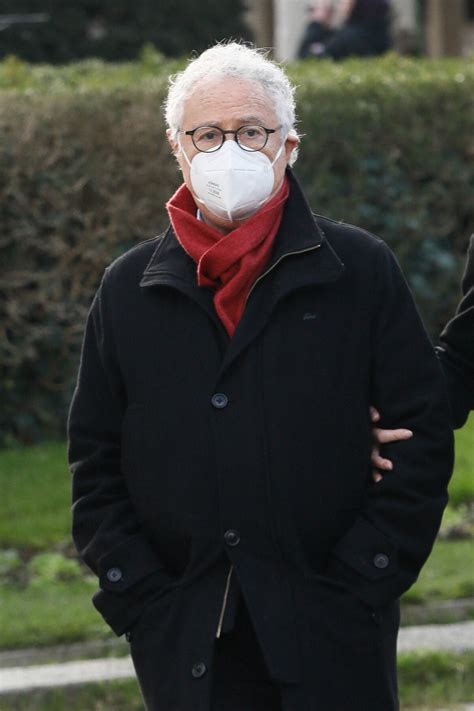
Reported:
(232, 59)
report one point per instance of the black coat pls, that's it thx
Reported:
(457, 348)
(191, 451)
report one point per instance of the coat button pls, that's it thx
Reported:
(219, 400)
(198, 670)
(114, 575)
(232, 537)
(381, 560)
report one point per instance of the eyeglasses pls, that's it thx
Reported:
(208, 139)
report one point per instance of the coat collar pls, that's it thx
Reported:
(299, 234)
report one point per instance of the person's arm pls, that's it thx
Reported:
(457, 361)
(381, 555)
(342, 12)
(456, 355)
(105, 529)
(456, 350)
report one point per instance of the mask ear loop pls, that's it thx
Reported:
(279, 152)
(183, 152)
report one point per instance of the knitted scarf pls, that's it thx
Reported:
(229, 263)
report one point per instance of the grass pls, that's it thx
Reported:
(45, 601)
(35, 506)
(426, 680)
(448, 574)
(50, 613)
(461, 489)
(120, 695)
(432, 679)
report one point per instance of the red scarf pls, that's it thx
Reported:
(229, 263)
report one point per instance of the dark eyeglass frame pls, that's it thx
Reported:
(268, 131)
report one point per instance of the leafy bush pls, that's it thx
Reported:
(85, 172)
(89, 74)
(390, 147)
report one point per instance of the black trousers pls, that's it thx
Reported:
(240, 677)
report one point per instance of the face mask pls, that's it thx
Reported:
(232, 183)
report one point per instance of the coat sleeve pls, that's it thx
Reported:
(105, 529)
(381, 554)
(456, 350)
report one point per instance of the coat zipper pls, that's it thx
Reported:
(287, 254)
(224, 602)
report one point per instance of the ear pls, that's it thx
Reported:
(174, 145)
(290, 144)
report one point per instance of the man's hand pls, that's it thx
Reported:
(382, 437)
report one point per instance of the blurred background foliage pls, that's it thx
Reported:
(116, 29)
(85, 172)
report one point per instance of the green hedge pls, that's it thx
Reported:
(85, 171)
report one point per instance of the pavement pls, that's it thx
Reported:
(42, 676)
(453, 637)
(457, 637)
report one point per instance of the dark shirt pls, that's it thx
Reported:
(368, 11)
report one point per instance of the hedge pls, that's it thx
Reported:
(85, 172)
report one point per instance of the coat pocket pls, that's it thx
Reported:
(348, 647)
(154, 615)
(348, 619)
(340, 615)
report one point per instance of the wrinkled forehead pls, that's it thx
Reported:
(228, 100)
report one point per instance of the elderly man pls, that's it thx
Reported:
(238, 537)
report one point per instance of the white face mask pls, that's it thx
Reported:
(232, 183)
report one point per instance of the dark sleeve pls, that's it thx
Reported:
(381, 555)
(456, 350)
(105, 529)
(315, 32)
